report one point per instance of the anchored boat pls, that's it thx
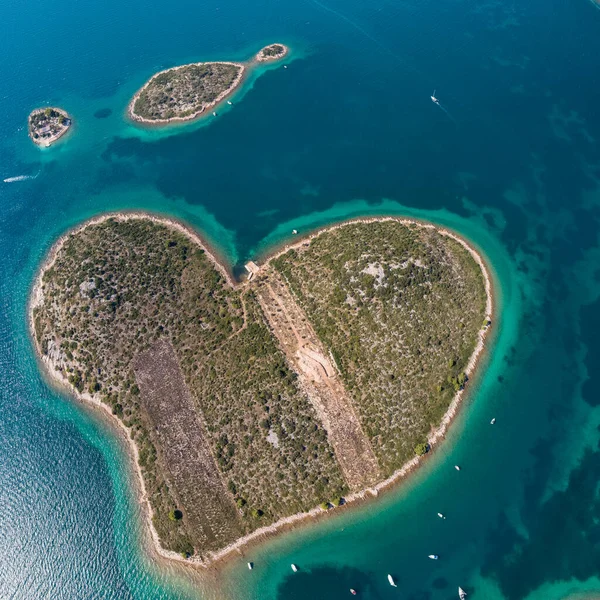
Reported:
(391, 580)
(294, 568)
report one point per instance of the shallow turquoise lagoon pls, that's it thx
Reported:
(347, 129)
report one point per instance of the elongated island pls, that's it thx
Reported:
(251, 405)
(186, 92)
(47, 125)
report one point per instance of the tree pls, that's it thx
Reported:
(175, 515)
(421, 449)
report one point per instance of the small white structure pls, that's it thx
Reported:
(252, 269)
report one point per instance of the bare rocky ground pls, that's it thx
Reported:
(209, 513)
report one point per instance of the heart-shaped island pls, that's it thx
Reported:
(251, 405)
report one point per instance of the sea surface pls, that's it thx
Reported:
(511, 160)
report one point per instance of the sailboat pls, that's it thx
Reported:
(434, 99)
(461, 593)
(391, 580)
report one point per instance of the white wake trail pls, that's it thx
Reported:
(21, 178)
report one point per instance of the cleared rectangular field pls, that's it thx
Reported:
(209, 512)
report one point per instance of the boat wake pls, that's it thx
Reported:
(437, 103)
(378, 43)
(21, 178)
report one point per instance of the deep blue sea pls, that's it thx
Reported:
(511, 161)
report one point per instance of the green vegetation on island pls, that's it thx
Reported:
(46, 125)
(117, 289)
(185, 92)
(272, 52)
(238, 416)
(399, 308)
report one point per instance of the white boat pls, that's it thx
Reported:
(433, 556)
(294, 568)
(214, 114)
(461, 593)
(228, 101)
(294, 231)
(434, 99)
(457, 467)
(250, 566)
(391, 580)
(441, 516)
(493, 421)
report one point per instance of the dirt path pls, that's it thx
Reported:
(320, 381)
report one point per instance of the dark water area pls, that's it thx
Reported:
(510, 160)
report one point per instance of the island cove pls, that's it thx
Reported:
(253, 405)
(187, 92)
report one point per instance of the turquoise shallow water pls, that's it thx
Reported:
(347, 129)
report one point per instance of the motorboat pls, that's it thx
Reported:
(457, 467)
(391, 580)
(434, 99)
(294, 568)
(353, 591)
(433, 556)
(461, 593)
(229, 102)
(214, 114)
(250, 566)
(294, 231)
(441, 516)
(493, 421)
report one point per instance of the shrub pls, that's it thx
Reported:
(175, 515)
(421, 449)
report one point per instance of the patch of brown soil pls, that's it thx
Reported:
(209, 511)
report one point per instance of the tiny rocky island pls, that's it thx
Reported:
(250, 405)
(46, 125)
(186, 92)
(272, 52)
